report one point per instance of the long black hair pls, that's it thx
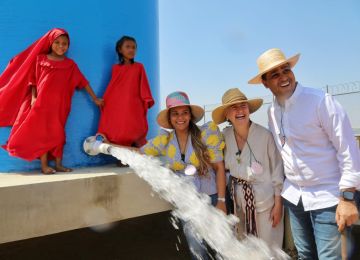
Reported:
(119, 44)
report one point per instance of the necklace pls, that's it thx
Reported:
(189, 169)
(182, 147)
(238, 153)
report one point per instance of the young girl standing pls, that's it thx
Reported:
(127, 98)
(35, 98)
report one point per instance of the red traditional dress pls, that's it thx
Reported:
(15, 78)
(40, 128)
(127, 98)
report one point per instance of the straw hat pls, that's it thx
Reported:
(269, 60)
(231, 97)
(177, 99)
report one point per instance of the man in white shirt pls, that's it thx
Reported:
(321, 158)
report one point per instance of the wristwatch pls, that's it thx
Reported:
(347, 195)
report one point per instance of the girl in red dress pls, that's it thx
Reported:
(127, 98)
(35, 98)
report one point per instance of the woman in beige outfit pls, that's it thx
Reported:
(255, 166)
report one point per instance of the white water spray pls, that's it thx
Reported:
(208, 223)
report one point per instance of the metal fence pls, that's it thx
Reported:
(348, 88)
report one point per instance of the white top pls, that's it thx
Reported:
(320, 153)
(261, 148)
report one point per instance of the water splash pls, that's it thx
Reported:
(98, 215)
(207, 222)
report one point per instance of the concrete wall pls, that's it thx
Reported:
(39, 205)
(94, 27)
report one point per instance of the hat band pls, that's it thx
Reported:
(236, 99)
(270, 65)
(171, 102)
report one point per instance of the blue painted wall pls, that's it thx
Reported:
(94, 27)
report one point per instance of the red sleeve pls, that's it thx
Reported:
(145, 91)
(80, 80)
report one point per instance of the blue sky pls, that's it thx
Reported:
(209, 46)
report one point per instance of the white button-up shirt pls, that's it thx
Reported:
(320, 153)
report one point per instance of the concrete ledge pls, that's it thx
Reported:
(33, 205)
(141, 238)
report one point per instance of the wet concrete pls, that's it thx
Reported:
(147, 237)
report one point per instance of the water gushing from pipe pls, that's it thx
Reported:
(207, 222)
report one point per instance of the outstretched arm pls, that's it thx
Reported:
(98, 101)
(135, 149)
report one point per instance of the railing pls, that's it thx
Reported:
(343, 88)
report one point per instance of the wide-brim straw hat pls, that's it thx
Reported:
(231, 97)
(271, 59)
(177, 99)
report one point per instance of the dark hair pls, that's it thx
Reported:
(263, 76)
(119, 44)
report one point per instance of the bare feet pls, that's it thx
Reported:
(60, 168)
(44, 165)
(48, 170)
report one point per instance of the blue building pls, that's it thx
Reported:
(56, 211)
(94, 28)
